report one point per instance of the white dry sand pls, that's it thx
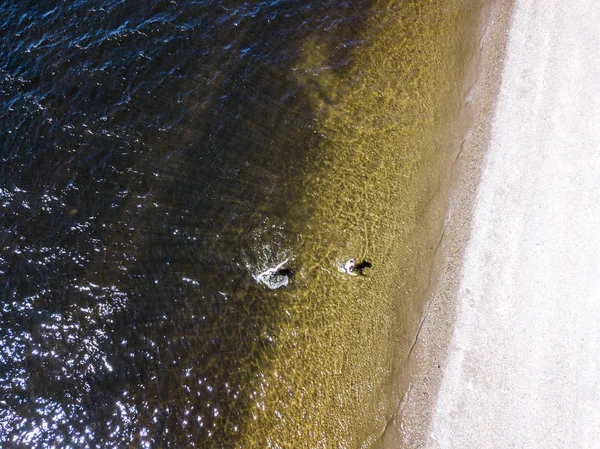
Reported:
(523, 365)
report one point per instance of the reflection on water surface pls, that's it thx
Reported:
(159, 157)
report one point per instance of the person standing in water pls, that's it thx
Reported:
(353, 268)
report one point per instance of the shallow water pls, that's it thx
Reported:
(158, 157)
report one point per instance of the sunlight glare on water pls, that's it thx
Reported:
(181, 184)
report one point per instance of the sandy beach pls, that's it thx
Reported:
(509, 352)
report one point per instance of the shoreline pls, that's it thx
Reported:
(385, 134)
(523, 365)
(427, 358)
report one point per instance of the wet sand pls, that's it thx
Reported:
(508, 355)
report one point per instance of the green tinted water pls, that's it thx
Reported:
(384, 123)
